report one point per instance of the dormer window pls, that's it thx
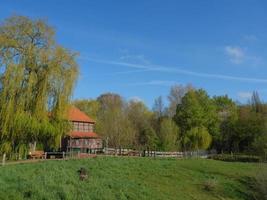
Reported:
(75, 126)
(86, 127)
(82, 127)
(91, 128)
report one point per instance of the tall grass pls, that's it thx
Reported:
(128, 178)
(261, 185)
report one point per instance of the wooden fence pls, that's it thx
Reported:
(117, 152)
(146, 153)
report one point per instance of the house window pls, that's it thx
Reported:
(75, 126)
(91, 129)
(86, 127)
(81, 126)
(77, 142)
(86, 142)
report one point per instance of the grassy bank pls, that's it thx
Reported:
(130, 178)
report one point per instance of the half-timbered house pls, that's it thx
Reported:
(82, 137)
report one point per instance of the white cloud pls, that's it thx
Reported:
(236, 54)
(136, 99)
(250, 38)
(244, 95)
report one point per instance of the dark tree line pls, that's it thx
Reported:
(197, 121)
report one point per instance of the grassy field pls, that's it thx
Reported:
(130, 178)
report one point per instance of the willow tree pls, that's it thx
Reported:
(37, 77)
(197, 138)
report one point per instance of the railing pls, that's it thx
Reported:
(146, 153)
(117, 152)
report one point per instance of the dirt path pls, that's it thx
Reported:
(27, 161)
(43, 160)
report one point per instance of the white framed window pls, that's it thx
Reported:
(91, 128)
(86, 127)
(75, 126)
(81, 126)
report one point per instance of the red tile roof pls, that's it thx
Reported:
(76, 115)
(78, 134)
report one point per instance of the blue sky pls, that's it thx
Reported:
(140, 48)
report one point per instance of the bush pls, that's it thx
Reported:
(236, 158)
(210, 184)
(261, 185)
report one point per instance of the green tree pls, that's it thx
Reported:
(139, 116)
(260, 145)
(37, 76)
(256, 103)
(169, 134)
(227, 111)
(158, 107)
(175, 96)
(189, 113)
(89, 106)
(197, 110)
(148, 138)
(113, 122)
(249, 127)
(197, 138)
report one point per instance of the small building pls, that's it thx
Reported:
(82, 137)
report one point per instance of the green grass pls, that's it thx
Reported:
(130, 178)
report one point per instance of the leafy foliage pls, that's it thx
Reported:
(200, 122)
(112, 121)
(89, 106)
(148, 138)
(197, 138)
(169, 135)
(197, 118)
(236, 158)
(37, 76)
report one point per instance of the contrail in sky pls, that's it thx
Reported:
(166, 69)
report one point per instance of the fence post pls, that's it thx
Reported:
(63, 155)
(4, 159)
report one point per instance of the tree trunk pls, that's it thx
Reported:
(4, 159)
(60, 143)
(34, 146)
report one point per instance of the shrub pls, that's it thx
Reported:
(261, 185)
(236, 158)
(210, 184)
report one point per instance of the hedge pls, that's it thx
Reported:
(236, 158)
